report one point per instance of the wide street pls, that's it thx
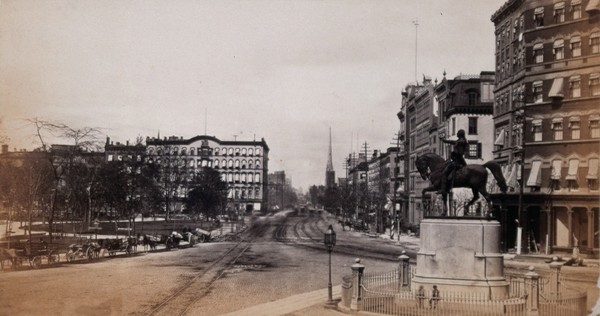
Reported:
(275, 257)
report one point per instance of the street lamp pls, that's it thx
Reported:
(329, 243)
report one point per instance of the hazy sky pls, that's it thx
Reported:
(282, 70)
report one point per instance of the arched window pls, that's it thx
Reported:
(237, 151)
(223, 163)
(191, 163)
(192, 153)
(243, 163)
(175, 150)
(230, 177)
(236, 177)
(250, 193)
(257, 164)
(559, 49)
(237, 163)
(183, 151)
(216, 151)
(244, 193)
(216, 163)
(230, 163)
(538, 53)
(250, 164)
(243, 177)
(244, 151)
(257, 193)
(250, 152)
(230, 151)
(257, 177)
(250, 176)
(257, 151)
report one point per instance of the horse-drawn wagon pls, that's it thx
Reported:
(112, 246)
(88, 250)
(34, 253)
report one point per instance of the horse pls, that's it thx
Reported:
(149, 241)
(431, 166)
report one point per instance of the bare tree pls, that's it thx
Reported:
(67, 162)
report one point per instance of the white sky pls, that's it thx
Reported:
(282, 70)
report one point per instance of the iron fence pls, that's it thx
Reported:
(390, 293)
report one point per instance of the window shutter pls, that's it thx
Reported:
(479, 150)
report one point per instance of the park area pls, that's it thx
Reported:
(69, 242)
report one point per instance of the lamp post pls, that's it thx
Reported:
(329, 243)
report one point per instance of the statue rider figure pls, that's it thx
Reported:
(456, 157)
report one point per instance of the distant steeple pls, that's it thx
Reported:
(329, 172)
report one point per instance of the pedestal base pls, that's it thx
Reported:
(461, 255)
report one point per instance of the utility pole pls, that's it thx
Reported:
(367, 195)
(416, 23)
(396, 172)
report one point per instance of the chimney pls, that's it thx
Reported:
(4, 148)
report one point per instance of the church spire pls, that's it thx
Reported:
(330, 161)
(329, 172)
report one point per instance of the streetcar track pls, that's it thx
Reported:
(186, 286)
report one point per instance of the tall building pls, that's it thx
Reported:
(243, 165)
(329, 172)
(420, 125)
(547, 121)
(431, 110)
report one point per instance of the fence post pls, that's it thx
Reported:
(533, 291)
(404, 270)
(357, 278)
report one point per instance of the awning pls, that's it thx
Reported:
(574, 119)
(574, 2)
(512, 177)
(557, 89)
(540, 10)
(559, 5)
(572, 173)
(592, 169)
(593, 5)
(559, 43)
(500, 139)
(535, 177)
(575, 39)
(556, 169)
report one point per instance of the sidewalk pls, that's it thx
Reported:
(311, 303)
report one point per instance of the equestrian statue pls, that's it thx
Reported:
(455, 173)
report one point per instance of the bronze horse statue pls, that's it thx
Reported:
(431, 166)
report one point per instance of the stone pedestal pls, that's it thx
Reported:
(461, 255)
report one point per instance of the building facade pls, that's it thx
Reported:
(547, 120)
(243, 165)
(433, 110)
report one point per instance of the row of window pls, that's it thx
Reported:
(574, 45)
(573, 87)
(223, 164)
(205, 151)
(240, 177)
(560, 12)
(245, 193)
(574, 125)
(573, 176)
